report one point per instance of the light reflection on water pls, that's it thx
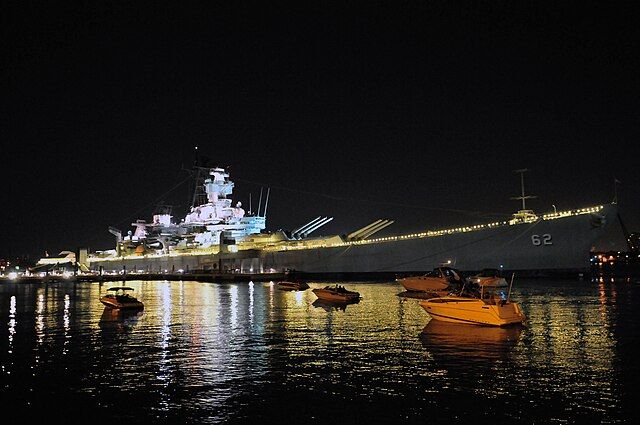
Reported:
(237, 352)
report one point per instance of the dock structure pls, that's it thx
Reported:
(197, 276)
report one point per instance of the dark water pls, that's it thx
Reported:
(206, 353)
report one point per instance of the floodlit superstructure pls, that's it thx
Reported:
(216, 236)
(208, 226)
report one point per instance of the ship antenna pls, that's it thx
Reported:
(266, 202)
(522, 195)
(510, 285)
(259, 202)
(616, 182)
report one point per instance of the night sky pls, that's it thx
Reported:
(416, 111)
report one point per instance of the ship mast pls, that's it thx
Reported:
(522, 196)
(524, 214)
(199, 172)
(199, 193)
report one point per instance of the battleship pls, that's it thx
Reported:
(218, 237)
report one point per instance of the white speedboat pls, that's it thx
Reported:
(489, 278)
(336, 293)
(488, 310)
(440, 281)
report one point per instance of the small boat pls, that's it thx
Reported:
(289, 285)
(487, 310)
(489, 278)
(121, 297)
(439, 281)
(336, 293)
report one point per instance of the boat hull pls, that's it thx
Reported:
(545, 246)
(329, 295)
(473, 311)
(113, 303)
(329, 305)
(424, 284)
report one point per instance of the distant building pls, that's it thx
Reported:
(65, 261)
(4, 265)
(20, 263)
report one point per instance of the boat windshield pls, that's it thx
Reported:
(120, 290)
(449, 273)
(489, 273)
(435, 273)
(337, 288)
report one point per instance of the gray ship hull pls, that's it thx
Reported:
(558, 246)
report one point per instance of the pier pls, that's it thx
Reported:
(91, 277)
(203, 276)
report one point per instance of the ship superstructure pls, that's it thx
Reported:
(208, 226)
